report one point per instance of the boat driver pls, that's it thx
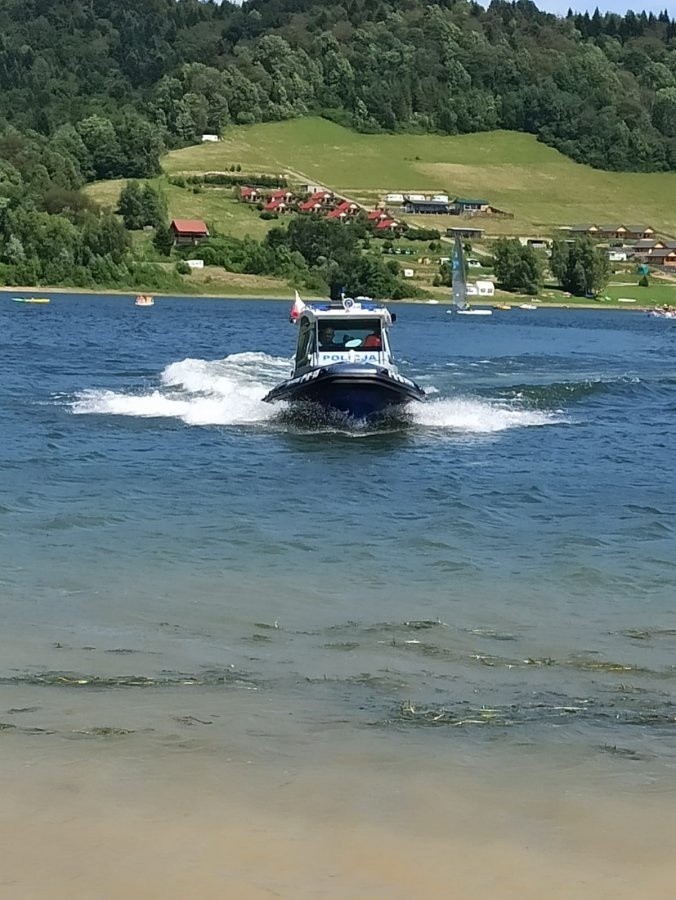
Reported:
(326, 338)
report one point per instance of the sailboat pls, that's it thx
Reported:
(460, 305)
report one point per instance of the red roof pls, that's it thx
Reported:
(274, 203)
(247, 191)
(189, 226)
(336, 213)
(377, 214)
(345, 206)
(310, 205)
(386, 223)
(280, 195)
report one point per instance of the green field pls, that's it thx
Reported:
(541, 188)
(512, 171)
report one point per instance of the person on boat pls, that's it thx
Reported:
(372, 341)
(326, 338)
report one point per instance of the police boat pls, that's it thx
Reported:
(344, 360)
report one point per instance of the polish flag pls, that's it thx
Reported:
(296, 309)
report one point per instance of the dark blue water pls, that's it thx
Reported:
(499, 568)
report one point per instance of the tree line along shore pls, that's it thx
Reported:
(114, 99)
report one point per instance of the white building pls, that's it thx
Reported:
(195, 263)
(394, 198)
(408, 273)
(210, 138)
(440, 198)
(416, 198)
(485, 288)
(481, 289)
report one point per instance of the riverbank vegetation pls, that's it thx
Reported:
(95, 93)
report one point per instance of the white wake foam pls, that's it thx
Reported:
(477, 416)
(230, 392)
(199, 392)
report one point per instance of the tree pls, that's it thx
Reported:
(99, 137)
(163, 239)
(319, 239)
(517, 268)
(131, 206)
(580, 268)
(141, 205)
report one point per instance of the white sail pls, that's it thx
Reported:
(460, 306)
(459, 278)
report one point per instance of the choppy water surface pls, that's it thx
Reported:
(176, 554)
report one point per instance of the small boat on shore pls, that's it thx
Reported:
(31, 299)
(144, 300)
(344, 360)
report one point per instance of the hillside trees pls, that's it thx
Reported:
(599, 88)
(580, 268)
(517, 268)
(333, 261)
(141, 205)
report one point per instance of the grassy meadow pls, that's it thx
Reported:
(542, 189)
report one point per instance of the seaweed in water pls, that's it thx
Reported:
(77, 680)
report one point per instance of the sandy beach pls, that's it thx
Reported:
(85, 819)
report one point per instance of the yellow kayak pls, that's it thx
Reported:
(31, 299)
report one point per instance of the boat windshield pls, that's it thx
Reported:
(354, 334)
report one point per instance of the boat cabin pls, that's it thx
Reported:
(348, 331)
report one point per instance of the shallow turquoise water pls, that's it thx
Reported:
(497, 570)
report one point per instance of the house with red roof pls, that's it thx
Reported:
(310, 205)
(188, 231)
(343, 211)
(377, 215)
(277, 205)
(248, 194)
(281, 194)
(387, 225)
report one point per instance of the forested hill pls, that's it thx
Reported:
(136, 76)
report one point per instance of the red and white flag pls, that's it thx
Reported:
(296, 309)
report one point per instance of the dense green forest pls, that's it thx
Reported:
(93, 89)
(134, 75)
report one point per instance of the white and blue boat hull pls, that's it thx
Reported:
(358, 390)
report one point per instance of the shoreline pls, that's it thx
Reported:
(360, 819)
(433, 301)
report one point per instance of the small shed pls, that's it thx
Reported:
(210, 138)
(465, 232)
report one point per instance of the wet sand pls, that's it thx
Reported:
(108, 819)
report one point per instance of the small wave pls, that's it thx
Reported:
(478, 416)
(568, 391)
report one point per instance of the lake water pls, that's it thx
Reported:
(476, 603)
